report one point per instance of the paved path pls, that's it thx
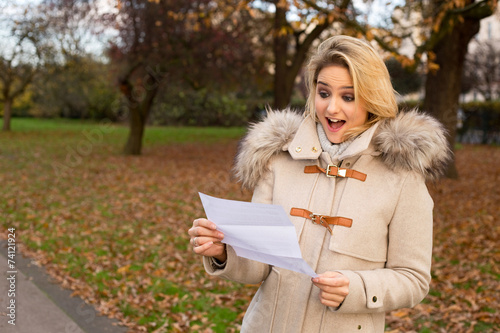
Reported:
(41, 306)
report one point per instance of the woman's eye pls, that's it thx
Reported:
(348, 98)
(323, 94)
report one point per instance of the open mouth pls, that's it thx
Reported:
(335, 124)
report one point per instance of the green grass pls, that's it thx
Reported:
(35, 124)
(117, 133)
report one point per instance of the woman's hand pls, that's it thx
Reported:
(334, 288)
(206, 240)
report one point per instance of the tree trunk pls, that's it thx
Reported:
(288, 65)
(442, 88)
(7, 114)
(282, 89)
(137, 123)
(139, 107)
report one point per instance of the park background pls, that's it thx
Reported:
(117, 113)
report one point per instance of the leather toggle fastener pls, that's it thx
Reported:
(335, 171)
(323, 220)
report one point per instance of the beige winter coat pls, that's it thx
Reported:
(386, 253)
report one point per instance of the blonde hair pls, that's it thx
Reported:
(370, 77)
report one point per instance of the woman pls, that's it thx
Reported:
(352, 175)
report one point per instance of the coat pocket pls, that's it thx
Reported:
(366, 241)
(261, 311)
(335, 322)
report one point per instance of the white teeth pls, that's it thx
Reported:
(334, 120)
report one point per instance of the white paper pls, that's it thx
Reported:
(257, 231)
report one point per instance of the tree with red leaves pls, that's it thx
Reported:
(197, 43)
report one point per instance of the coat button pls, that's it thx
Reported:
(298, 149)
(359, 327)
(374, 299)
(348, 164)
(314, 149)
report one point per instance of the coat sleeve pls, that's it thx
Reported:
(404, 281)
(240, 269)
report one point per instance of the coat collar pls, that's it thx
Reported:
(412, 141)
(306, 144)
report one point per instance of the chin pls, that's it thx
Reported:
(337, 139)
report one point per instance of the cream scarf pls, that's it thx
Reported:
(334, 149)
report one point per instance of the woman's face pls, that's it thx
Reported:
(335, 105)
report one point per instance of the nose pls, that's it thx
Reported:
(333, 105)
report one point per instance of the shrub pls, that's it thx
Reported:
(200, 108)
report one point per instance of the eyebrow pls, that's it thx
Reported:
(326, 84)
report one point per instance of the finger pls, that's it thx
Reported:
(202, 248)
(208, 249)
(198, 241)
(333, 286)
(328, 274)
(337, 280)
(204, 232)
(331, 297)
(331, 283)
(203, 227)
(334, 294)
(204, 223)
(331, 303)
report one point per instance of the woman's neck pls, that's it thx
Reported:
(334, 149)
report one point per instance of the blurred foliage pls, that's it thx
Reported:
(199, 108)
(78, 88)
(482, 116)
(22, 106)
(403, 79)
(492, 107)
(479, 119)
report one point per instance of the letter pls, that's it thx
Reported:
(60, 168)
(71, 327)
(94, 135)
(105, 126)
(11, 294)
(13, 301)
(82, 312)
(139, 94)
(12, 322)
(72, 154)
(84, 148)
(156, 74)
(12, 306)
(153, 78)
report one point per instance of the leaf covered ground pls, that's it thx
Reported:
(112, 228)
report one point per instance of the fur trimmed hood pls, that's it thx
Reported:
(413, 141)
